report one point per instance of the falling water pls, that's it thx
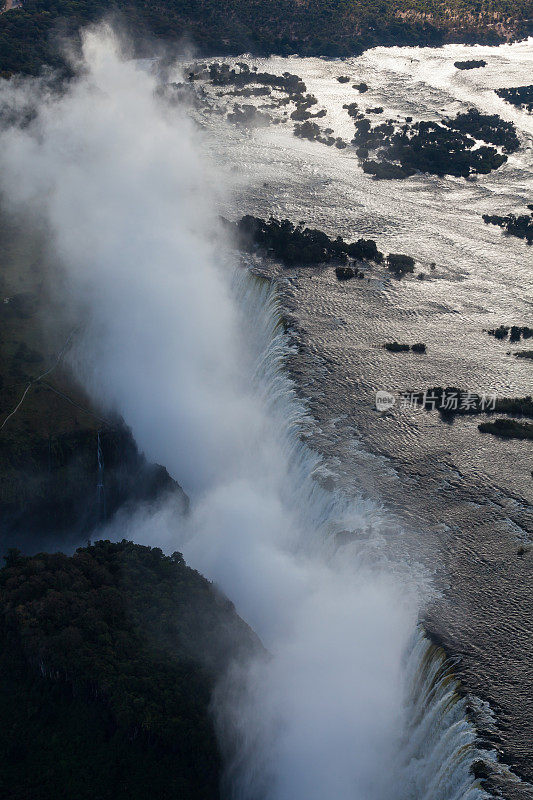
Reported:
(351, 702)
(100, 489)
(436, 746)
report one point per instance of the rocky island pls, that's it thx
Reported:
(471, 63)
(519, 96)
(296, 244)
(447, 148)
(520, 225)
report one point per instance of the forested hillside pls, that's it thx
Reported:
(107, 663)
(29, 36)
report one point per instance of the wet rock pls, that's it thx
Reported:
(480, 769)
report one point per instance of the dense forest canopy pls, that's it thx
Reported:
(29, 37)
(107, 663)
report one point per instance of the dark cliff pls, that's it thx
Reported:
(108, 660)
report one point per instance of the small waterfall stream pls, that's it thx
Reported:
(100, 488)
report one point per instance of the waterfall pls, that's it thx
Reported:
(351, 703)
(100, 489)
(436, 745)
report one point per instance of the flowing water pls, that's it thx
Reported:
(305, 505)
(464, 500)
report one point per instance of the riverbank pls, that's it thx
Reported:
(30, 36)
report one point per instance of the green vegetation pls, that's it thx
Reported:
(313, 132)
(28, 36)
(108, 660)
(295, 244)
(513, 331)
(447, 148)
(400, 264)
(471, 63)
(452, 400)
(519, 96)
(508, 429)
(489, 128)
(520, 226)
(396, 347)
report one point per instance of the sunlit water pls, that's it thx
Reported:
(465, 499)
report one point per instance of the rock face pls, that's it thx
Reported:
(108, 659)
(49, 487)
(51, 431)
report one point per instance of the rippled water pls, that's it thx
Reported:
(464, 498)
